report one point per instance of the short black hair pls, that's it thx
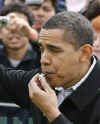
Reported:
(93, 10)
(55, 4)
(77, 29)
(17, 7)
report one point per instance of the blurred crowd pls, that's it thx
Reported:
(18, 49)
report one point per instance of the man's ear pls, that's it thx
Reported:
(86, 52)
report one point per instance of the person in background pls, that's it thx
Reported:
(3, 3)
(18, 52)
(91, 10)
(96, 24)
(42, 11)
(93, 14)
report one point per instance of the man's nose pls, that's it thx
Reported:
(45, 59)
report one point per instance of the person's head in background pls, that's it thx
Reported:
(12, 40)
(92, 10)
(6, 2)
(96, 24)
(93, 14)
(42, 11)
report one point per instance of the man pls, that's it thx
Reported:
(93, 14)
(18, 53)
(67, 63)
(96, 24)
(42, 11)
(92, 9)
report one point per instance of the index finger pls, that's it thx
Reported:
(45, 84)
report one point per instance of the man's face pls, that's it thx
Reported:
(59, 58)
(12, 39)
(42, 13)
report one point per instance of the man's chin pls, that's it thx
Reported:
(51, 83)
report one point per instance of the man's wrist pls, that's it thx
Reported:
(52, 114)
(33, 35)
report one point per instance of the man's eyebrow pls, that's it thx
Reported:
(52, 46)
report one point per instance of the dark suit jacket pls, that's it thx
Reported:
(82, 107)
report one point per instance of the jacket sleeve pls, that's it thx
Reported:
(61, 119)
(15, 85)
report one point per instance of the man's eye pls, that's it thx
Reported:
(48, 9)
(54, 50)
(34, 8)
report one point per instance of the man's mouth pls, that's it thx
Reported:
(46, 74)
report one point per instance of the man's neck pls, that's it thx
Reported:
(82, 71)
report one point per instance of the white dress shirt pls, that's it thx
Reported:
(64, 93)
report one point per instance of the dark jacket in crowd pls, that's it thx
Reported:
(30, 61)
(81, 107)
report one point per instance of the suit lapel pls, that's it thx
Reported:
(73, 106)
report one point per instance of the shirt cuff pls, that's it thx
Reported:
(61, 119)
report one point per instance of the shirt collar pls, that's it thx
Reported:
(64, 93)
(73, 88)
(85, 77)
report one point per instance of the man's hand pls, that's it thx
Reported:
(44, 97)
(21, 26)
